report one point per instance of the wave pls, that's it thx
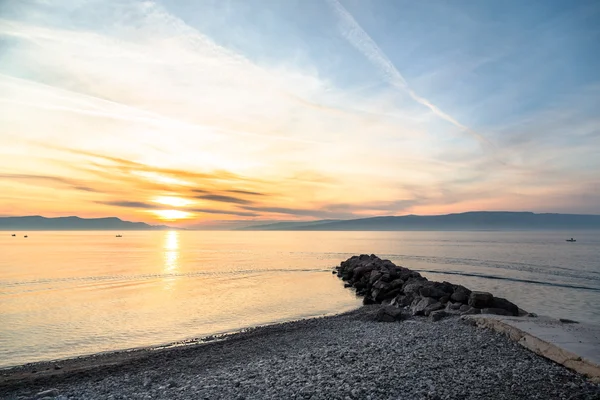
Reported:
(504, 278)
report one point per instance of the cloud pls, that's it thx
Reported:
(361, 40)
(131, 204)
(46, 178)
(223, 199)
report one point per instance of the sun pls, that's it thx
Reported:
(171, 215)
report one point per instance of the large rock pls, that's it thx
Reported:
(388, 314)
(437, 315)
(414, 286)
(420, 304)
(461, 294)
(433, 307)
(403, 300)
(379, 289)
(361, 271)
(374, 277)
(481, 299)
(505, 305)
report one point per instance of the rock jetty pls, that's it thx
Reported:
(398, 288)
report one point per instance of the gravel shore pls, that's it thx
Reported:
(348, 356)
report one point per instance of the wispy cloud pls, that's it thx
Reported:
(361, 40)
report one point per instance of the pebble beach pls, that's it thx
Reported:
(348, 356)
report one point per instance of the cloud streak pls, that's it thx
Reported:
(361, 40)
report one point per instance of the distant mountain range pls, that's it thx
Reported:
(476, 220)
(37, 223)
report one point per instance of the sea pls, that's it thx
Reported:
(67, 294)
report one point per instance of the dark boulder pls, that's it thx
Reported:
(413, 286)
(374, 277)
(379, 289)
(419, 305)
(480, 299)
(431, 308)
(388, 314)
(396, 284)
(437, 315)
(403, 300)
(460, 295)
(361, 271)
(499, 302)
(391, 293)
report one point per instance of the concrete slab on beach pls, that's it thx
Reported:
(573, 344)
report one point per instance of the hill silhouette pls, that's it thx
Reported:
(475, 220)
(40, 223)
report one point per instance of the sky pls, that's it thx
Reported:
(212, 113)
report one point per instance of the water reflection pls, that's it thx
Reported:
(171, 254)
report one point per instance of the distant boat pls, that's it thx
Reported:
(571, 240)
(14, 234)
(119, 235)
(25, 236)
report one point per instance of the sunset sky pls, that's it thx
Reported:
(202, 113)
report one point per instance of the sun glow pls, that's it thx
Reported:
(172, 201)
(159, 178)
(171, 215)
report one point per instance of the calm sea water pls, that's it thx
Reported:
(64, 294)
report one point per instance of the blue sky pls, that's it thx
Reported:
(419, 107)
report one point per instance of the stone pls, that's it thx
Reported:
(361, 271)
(460, 295)
(434, 307)
(437, 315)
(367, 300)
(379, 289)
(402, 301)
(374, 277)
(413, 286)
(454, 306)
(432, 291)
(420, 304)
(388, 314)
(47, 393)
(444, 299)
(481, 299)
(495, 311)
(499, 302)
(392, 293)
(396, 284)
(464, 307)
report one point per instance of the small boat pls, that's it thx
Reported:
(14, 235)
(571, 240)
(25, 236)
(119, 235)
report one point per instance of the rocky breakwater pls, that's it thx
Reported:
(402, 290)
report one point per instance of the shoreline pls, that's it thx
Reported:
(47, 368)
(347, 355)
